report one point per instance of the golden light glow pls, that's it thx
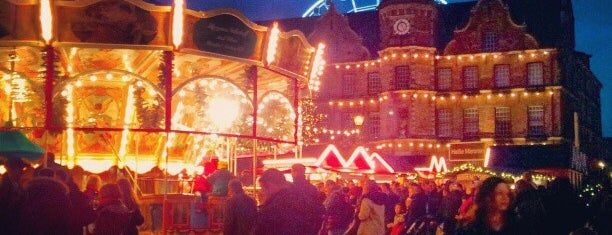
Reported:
(487, 156)
(223, 112)
(272, 43)
(318, 65)
(2, 170)
(177, 23)
(70, 132)
(95, 166)
(127, 120)
(46, 20)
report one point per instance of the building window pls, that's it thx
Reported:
(470, 78)
(444, 123)
(348, 85)
(502, 122)
(489, 41)
(470, 122)
(374, 125)
(535, 74)
(536, 120)
(402, 78)
(444, 79)
(374, 85)
(502, 75)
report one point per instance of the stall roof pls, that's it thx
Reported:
(521, 158)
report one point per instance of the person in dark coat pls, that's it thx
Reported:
(529, 209)
(240, 211)
(565, 213)
(129, 200)
(113, 216)
(285, 211)
(81, 213)
(449, 207)
(11, 194)
(298, 173)
(46, 208)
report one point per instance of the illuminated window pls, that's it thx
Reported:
(444, 123)
(402, 78)
(502, 75)
(489, 42)
(470, 122)
(536, 120)
(502, 122)
(444, 79)
(535, 74)
(470, 78)
(374, 125)
(374, 85)
(348, 85)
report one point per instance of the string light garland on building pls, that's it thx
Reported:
(533, 54)
(318, 65)
(440, 96)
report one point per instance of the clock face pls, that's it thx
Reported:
(401, 27)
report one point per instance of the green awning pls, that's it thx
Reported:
(13, 144)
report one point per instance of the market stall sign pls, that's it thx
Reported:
(467, 152)
(225, 34)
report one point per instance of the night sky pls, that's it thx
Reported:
(593, 21)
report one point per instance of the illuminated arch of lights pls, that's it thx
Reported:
(347, 6)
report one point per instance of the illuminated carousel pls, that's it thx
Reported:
(127, 84)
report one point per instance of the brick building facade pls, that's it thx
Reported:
(435, 76)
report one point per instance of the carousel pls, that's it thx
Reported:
(152, 92)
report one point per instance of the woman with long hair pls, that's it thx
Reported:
(493, 215)
(130, 201)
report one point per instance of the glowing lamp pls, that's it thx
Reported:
(46, 20)
(223, 112)
(358, 120)
(272, 43)
(177, 23)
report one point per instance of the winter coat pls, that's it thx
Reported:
(289, 212)
(240, 214)
(113, 218)
(372, 214)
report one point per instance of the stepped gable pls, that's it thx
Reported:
(490, 17)
(343, 44)
(541, 19)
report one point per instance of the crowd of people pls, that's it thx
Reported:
(490, 206)
(49, 202)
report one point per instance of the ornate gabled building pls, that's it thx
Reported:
(496, 83)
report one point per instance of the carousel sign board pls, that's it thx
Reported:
(225, 34)
(467, 152)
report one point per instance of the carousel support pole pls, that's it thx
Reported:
(254, 166)
(49, 74)
(168, 57)
(136, 186)
(252, 76)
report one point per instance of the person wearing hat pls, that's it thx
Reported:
(219, 180)
(11, 193)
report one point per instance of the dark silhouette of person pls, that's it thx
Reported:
(240, 211)
(11, 194)
(46, 208)
(113, 215)
(129, 200)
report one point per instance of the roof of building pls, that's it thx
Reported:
(542, 19)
